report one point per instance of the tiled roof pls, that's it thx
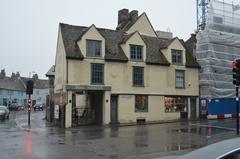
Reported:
(113, 38)
(154, 54)
(190, 44)
(70, 34)
(11, 84)
(113, 52)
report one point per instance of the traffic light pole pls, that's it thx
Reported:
(29, 97)
(237, 110)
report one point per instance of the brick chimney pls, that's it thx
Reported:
(133, 15)
(122, 16)
(35, 76)
(3, 73)
(13, 75)
(17, 74)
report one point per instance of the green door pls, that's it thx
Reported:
(114, 109)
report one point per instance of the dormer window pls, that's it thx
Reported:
(136, 52)
(177, 57)
(93, 48)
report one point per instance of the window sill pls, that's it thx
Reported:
(180, 87)
(173, 111)
(97, 84)
(94, 57)
(138, 85)
(141, 111)
(177, 64)
(135, 60)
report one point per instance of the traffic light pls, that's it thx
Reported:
(29, 109)
(29, 101)
(236, 72)
(29, 104)
(29, 89)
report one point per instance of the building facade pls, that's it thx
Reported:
(50, 98)
(126, 75)
(13, 89)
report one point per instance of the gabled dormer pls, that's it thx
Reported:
(134, 47)
(130, 22)
(175, 52)
(92, 43)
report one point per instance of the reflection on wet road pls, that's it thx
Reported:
(43, 141)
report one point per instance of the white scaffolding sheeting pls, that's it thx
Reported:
(217, 46)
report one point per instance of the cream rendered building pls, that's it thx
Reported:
(126, 75)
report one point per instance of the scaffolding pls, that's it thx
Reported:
(218, 44)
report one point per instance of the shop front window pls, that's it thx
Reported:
(175, 104)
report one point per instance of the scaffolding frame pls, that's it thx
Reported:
(218, 44)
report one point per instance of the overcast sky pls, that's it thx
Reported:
(29, 28)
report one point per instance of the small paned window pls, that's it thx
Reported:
(97, 73)
(136, 52)
(180, 79)
(141, 103)
(138, 76)
(93, 48)
(177, 57)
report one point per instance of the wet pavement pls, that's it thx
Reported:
(142, 141)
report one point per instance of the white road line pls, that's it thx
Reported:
(211, 126)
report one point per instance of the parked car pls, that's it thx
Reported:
(4, 112)
(21, 107)
(13, 106)
(38, 107)
(227, 149)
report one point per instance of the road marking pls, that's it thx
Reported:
(211, 126)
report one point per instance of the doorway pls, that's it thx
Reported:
(193, 105)
(96, 104)
(114, 109)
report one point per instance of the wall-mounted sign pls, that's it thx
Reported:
(56, 112)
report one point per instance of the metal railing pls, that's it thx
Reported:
(82, 116)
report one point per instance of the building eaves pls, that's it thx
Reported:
(9, 83)
(51, 71)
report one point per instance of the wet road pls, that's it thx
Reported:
(143, 141)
